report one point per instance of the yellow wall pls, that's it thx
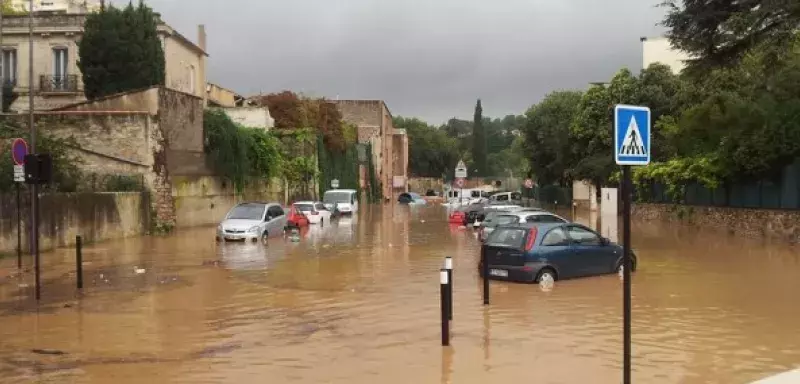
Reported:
(221, 96)
(180, 60)
(94, 216)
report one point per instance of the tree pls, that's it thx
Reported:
(431, 151)
(9, 8)
(121, 51)
(719, 33)
(547, 135)
(479, 142)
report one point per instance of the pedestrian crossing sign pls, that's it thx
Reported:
(631, 135)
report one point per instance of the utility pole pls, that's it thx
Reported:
(2, 56)
(35, 189)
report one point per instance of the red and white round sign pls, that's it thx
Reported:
(528, 183)
(460, 182)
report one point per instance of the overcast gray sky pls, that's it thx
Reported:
(425, 58)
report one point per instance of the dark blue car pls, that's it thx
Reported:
(550, 251)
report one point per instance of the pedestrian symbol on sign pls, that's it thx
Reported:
(632, 144)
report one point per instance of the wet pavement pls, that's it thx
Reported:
(357, 302)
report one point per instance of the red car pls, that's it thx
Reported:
(457, 217)
(296, 218)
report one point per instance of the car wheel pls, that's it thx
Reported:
(321, 222)
(265, 237)
(546, 275)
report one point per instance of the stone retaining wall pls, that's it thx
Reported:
(783, 224)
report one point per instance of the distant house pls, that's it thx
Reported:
(57, 79)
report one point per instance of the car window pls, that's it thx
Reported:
(555, 237)
(583, 236)
(274, 212)
(504, 220)
(509, 237)
(516, 196)
(544, 219)
(301, 207)
(247, 212)
(320, 207)
(502, 198)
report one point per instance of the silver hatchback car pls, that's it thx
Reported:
(252, 221)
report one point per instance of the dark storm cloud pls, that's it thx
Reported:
(427, 58)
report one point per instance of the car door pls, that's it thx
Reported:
(556, 248)
(277, 220)
(592, 255)
(323, 212)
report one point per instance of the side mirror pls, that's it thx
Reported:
(605, 241)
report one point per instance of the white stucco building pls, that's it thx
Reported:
(68, 6)
(659, 50)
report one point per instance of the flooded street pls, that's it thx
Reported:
(358, 302)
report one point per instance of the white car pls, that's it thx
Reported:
(252, 221)
(315, 211)
(344, 200)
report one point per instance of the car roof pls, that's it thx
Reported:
(256, 203)
(306, 202)
(542, 226)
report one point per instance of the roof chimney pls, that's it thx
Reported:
(201, 36)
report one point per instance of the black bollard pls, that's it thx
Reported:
(444, 305)
(485, 267)
(79, 261)
(448, 265)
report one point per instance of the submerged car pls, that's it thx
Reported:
(411, 198)
(315, 211)
(252, 221)
(492, 221)
(551, 251)
(344, 201)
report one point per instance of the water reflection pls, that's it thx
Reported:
(356, 301)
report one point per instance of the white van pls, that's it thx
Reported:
(345, 199)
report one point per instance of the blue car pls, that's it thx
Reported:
(532, 252)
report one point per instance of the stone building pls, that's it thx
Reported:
(57, 79)
(389, 145)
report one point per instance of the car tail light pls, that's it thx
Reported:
(531, 239)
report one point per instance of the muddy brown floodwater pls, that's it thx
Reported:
(357, 302)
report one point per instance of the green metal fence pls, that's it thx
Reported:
(766, 194)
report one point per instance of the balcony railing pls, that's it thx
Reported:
(58, 83)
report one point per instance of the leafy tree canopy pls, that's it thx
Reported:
(121, 51)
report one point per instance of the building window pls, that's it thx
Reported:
(60, 56)
(9, 64)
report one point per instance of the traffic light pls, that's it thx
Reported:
(38, 168)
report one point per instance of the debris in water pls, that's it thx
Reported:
(138, 270)
(48, 351)
(422, 221)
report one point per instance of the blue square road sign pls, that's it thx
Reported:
(631, 135)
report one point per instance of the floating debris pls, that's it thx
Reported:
(48, 351)
(138, 270)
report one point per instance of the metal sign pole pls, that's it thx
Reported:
(626, 271)
(35, 189)
(19, 229)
